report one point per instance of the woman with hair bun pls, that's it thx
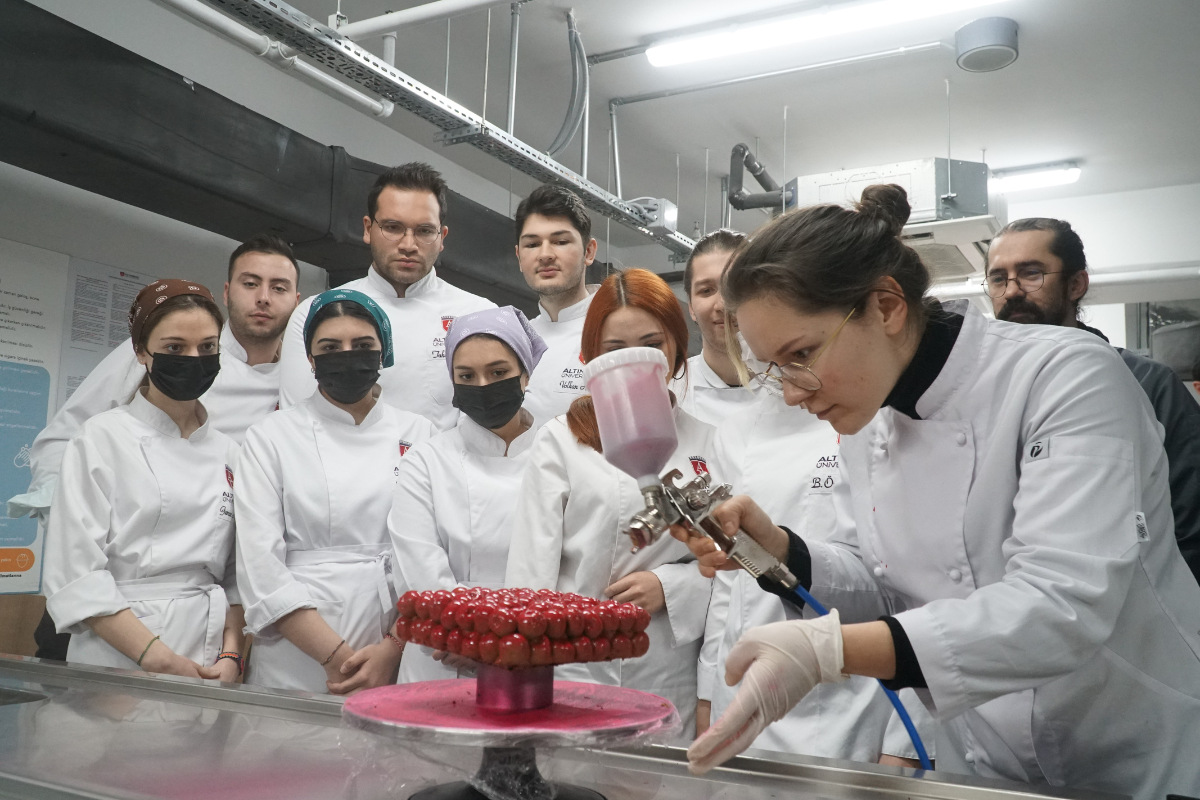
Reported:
(139, 549)
(568, 530)
(1004, 539)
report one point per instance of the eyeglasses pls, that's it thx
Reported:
(395, 231)
(1029, 280)
(799, 375)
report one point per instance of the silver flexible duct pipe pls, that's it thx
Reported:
(580, 84)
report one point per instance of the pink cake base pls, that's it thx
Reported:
(582, 715)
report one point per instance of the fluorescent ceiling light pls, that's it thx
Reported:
(822, 23)
(1018, 180)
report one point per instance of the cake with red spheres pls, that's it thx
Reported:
(516, 628)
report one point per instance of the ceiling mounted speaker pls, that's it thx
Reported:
(987, 44)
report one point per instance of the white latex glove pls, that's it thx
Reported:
(778, 664)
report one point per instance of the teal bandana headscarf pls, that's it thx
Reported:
(382, 323)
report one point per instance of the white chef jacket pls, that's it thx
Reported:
(703, 394)
(418, 381)
(313, 498)
(787, 460)
(143, 520)
(240, 396)
(558, 378)
(451, 519)
(1021, 532)
(568, 534)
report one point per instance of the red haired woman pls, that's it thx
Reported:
(569, 524)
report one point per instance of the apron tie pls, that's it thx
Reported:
(179, 586)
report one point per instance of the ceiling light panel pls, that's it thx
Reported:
(824, 23)
(1019, 180)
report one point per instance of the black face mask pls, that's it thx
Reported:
(490, 406)
(347, 375)
(183, 377)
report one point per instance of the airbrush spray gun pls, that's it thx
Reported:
(637, 431)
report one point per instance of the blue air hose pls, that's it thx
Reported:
(900, 709)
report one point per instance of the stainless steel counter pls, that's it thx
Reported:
(69, 732)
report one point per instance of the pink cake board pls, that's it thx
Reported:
(582, 715)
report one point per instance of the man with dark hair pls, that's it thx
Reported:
(260, 295)
(405, 225)
(1196, 378)
(554, 248)
(1037, 273)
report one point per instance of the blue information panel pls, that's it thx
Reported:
(24, 396)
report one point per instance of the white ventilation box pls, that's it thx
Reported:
(949, 226)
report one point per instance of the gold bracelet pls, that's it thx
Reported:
(147, 650)
(334, 653)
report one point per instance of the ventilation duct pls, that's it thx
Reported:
(79, 109)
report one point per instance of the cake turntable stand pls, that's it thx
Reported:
(511, 713)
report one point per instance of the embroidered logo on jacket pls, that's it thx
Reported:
(446, 323)
(404, 446)
(229, 476)
(699, 465)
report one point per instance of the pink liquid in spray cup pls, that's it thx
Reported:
(633, 412)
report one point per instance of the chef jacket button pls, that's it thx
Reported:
(970, 758)
(879, 572)
(955, 575)
(961, 439)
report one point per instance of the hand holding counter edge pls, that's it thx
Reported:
(778, 665)
(1003, 524)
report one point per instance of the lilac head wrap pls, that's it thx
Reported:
(507, 324)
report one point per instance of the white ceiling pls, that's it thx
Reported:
(1113, 84)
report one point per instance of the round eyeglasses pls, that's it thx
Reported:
(395, 231)
(799, 375)
(1028, 280)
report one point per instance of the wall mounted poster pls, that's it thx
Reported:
(98, 299)
(32, 286)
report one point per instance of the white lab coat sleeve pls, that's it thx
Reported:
(111, 384)
(897, 742)
(714, 630)
(269, 591)
(535, 549)
(78, 585)
(421, 552)
(839, 578)
(687, 594)
(296, 381)
(1071, 556)
(229, 579)
(728, 452)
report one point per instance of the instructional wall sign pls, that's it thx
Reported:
(32, 285)
(96, 318)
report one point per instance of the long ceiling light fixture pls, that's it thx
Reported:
(823, 23)
(1020, 179)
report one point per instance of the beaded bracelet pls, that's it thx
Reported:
(235, 658)
(395, 641)
(147, 650)
(333, 653)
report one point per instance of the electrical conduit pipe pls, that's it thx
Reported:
(283, 56)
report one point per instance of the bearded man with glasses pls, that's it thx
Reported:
(405, 225)
(1037, 274)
